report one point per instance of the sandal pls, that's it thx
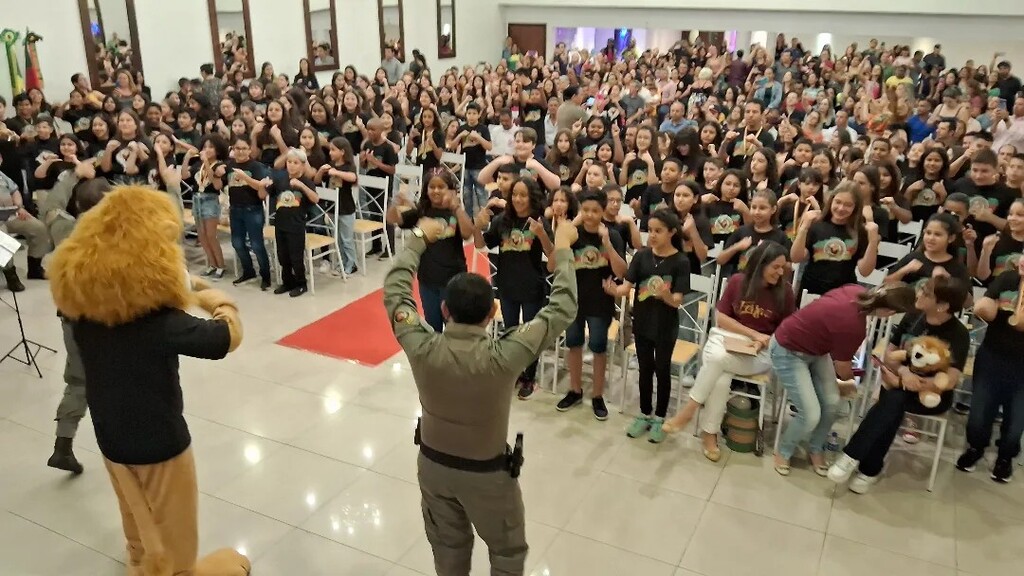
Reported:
(713, 455)
(670, 428)
(782, 469)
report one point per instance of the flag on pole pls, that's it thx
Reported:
(10, 37)
(33, 74)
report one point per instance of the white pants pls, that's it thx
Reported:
(714, 380)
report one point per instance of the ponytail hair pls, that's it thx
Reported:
(897, 297)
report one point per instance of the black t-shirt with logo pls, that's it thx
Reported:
(239, 193)
(1005, 254)
(652, 317)
(346, 201)
(952, 332)
(636, 178)
(996, 197)
(724, 219)
(592, 267)
(651, 199)
(386, 154)
(739, 262)
(134, 396)
(524, 172)
(428, 158)
(443, 258)
(533, 117)
(476, 156)
(832, 257)
(291, 205)
(954, 267)
(1000, 337)
(521, 272)
(926, 202)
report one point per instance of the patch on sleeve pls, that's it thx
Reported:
(406, 315)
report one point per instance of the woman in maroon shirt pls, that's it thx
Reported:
(754, 304)
(816, 345)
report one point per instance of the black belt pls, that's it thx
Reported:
(465, 464)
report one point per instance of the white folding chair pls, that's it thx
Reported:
(455, 164)
(320, 246)
(909, 232)
(938, 421)
(367, 228)
(409, 179)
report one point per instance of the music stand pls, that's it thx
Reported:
(8, 246)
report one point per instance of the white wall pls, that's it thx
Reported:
(174, 40)
(61, 52)
(977, 7)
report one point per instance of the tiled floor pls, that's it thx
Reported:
(307, 464)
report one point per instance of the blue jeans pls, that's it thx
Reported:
(247, 233)
(997, 382)
(474, 196)
(347, 238)
(431, 298)
(510, 316)
(597, 338)
(810, 383)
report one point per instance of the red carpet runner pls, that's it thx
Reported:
(361, 331)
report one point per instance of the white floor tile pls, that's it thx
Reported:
(27, 548)
(570, 555)
(310, 555)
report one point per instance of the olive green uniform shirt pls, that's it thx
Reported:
(465, 377)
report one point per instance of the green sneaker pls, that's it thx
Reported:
(640, 425)
(657, 435)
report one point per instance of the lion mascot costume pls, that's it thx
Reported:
(120, 280)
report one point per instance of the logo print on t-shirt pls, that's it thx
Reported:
(725, 224)
(589, 151)
(236, 180)
(448, 227)
(590, 258)
(563, 173)
(637, 178)
(1006, 262)
(649, 288)
(1008, 300)
(287, 199)
(926, 197)
(834, 250)
(982, 203)
(517, 241)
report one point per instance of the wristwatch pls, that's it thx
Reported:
(417, 232)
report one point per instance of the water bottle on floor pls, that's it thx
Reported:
(832, 448)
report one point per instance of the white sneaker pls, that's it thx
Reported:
(325, 267)
(842, 469)
(911, 438)
(861, 483)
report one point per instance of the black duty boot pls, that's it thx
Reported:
(35, 269)
(13, 282)
(63, 457)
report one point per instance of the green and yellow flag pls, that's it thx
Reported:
(10, 37)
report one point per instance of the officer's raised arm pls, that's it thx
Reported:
(522, 346)
(410, 331)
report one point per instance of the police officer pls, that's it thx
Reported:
(467, 473)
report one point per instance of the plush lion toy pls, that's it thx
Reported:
(928, 357)
(120, 272)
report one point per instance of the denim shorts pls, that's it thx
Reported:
(206, 207)
(598, 333)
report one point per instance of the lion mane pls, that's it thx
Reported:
(122, 261)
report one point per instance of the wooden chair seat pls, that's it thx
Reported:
(318, 241)
(367, 226)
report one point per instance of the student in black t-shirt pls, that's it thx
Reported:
(475, 139)
(378, 158)
(562, 203)
(625, 225)
(936, 255)
(869, 185)
(533, 111)
(599, 253)
(763, 226)
(807, 193)
(210, 172)
(998, 366)
(427, 137)
(444, 258)
(128, 144)
(696, 229)
(640, 169)
(564, 159)
(926, 194)
(724, 206)
(990, 199)
(660, 274)
(246, 196)
(522, 238)
(522, 159)
(340, 174)
(837, 245)
(659, 195)
(275, 136)
(938, 301)
(1000, 251)
(293, 193)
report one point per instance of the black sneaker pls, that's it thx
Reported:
(281, 289)
(265, 284)
(526, 388)
(243, 279)
(297, 291)
(600, 410)
(374, 251)
(1002, 472)
(962, 408)
(571, 399)
(968, 461)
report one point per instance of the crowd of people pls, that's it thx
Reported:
(768, 159)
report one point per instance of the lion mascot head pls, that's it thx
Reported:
(122, 261)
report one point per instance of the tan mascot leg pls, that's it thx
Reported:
(158, 510)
